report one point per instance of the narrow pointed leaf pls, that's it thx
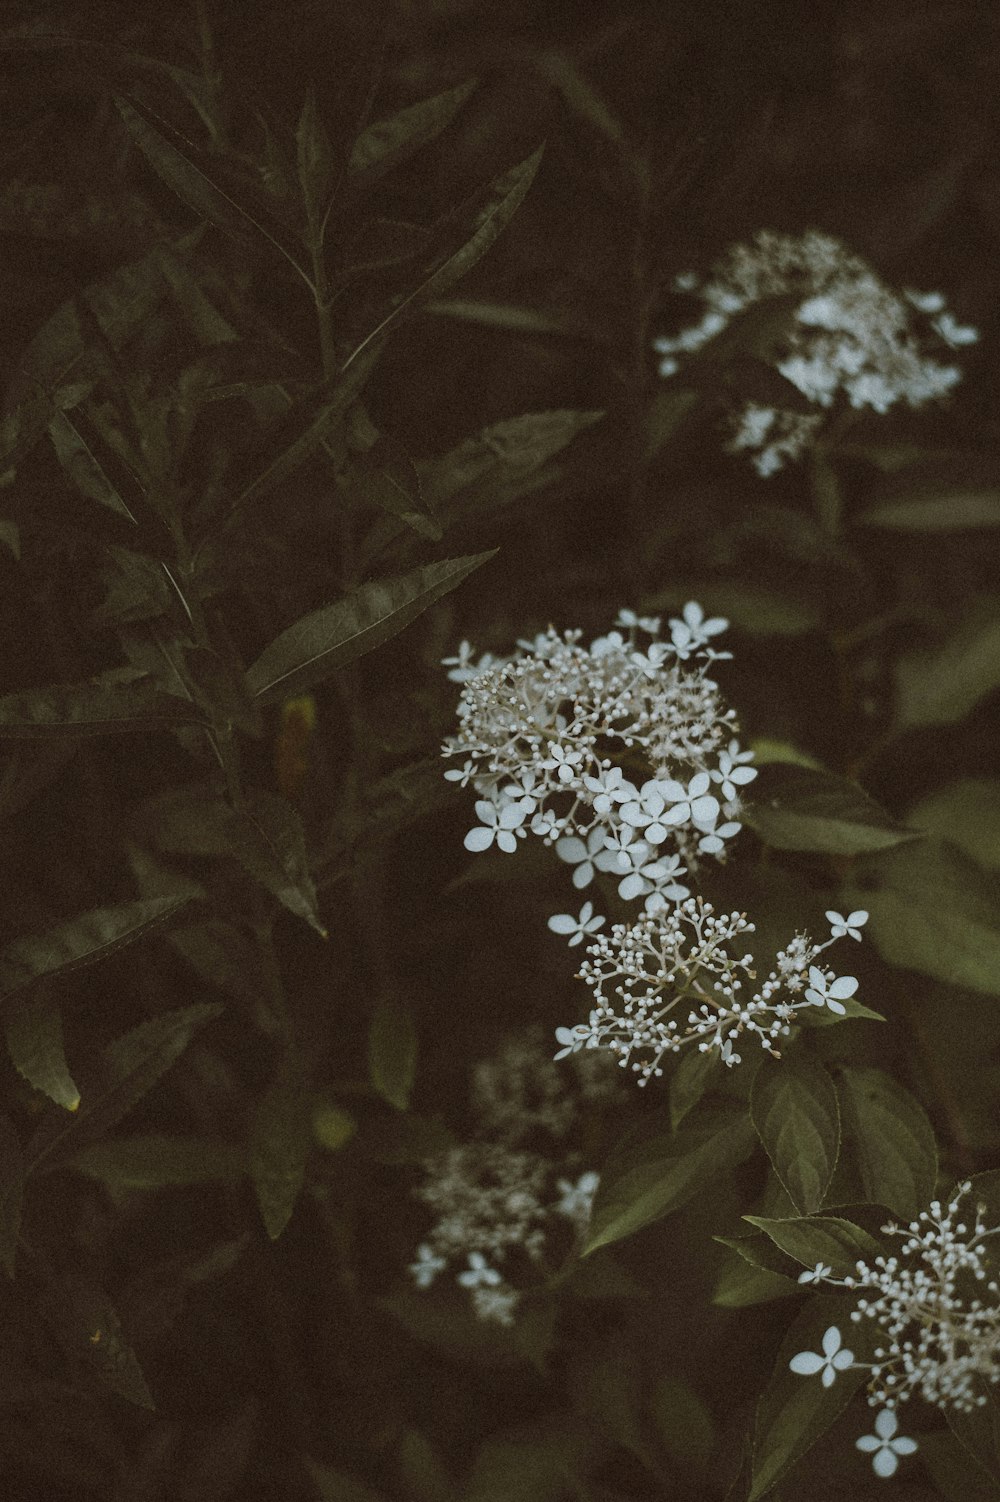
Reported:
(338, 634)
(893, 1139)
(793, 1106)
(35, 1045)
(315, 157)
(279, 1145)
(87, 709)
(504, 197)
(130, 1067)
(82, 940)
(11, 1193)
(83, 468)
(198, 182)
(498, 463)
(793, 808)
(86, 1325)
(392, 1053)
(158, 1161)
(384, 143)
(266, 836)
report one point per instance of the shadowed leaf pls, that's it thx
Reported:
(11, 1193)
(35, 1044)
(384, 143)
(85, 709)
(279, 1144)
(81, 941)
(793, 1105)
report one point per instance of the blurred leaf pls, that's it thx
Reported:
(405, 1139)
(767, 751)
(159, 1160)
(83, 468)
(607, 1393)
(693, 1075)
(332, 1126)
(392, 1053)
(279, 1143)
(153, 1301)
(684, 1425)
(28, 772)
(131, 1066)
(387, 142)
(314, 155)
(534, 1462)
(932, 909)
(501, 201)
(385, 476)
(978, 1433)
(86, 1325)
(740, 1285)
(797, 809)
(35, 1044)
(967, 812)
(266, 837)
(333, 1485)
(496, 463)
(753, 608)
(84, 709)
(793, 1106)
(422, 1472)
(221, 954)
(946, 513)
(82, 940)
(820, 1238)
(337, 634)
(953, 1471)
(221, 1455)
(11, 1193)
(642, 1183)
(197, 179)
(938, 685)
(893, 1139)
(601, 1276)
(793, 1411)
(10, 537)
(379, 243)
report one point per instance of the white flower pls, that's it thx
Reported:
(462, 667)
(833, 1360)
(562, 923)
(693, 630)
(478, 1272)
(821, 992)
(604, 646)
(954, 333)
(427, 1266)
(851, 925)
(564, 761)
(610, 787)
(644, 812)
(618, 847)
(731, 773)
(883, 1447)
(497, 1304)
(711, 844)
(497, 824)
(692, 804)
(816, 1274)
(547, 824)
(577, 1199)
(462, 775)
(583, 856)
(584, 1035)
(629, 619)
(655, 882)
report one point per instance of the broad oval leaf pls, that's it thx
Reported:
(932, 909)
(693, 1076)
(939, 685)
(740, 1285)
(337, 634)
(651, 1179)
(82, 940)
(793, 1105)
(87, 709)
(967, 812)
(794, 808)
(893, 1139)
(820, 1238)
(793, 1411)
(279, 1144)
(392, 1053)
(385, 142)
(35, 1045)
(159, 1160)
(11, 1193)
(86, 1326)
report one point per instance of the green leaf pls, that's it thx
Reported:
(956, 512)
(820, 1238)
(939, 685)
(332, 1126)
(932, 909)
(741, 1285)
(315, 158)
(642, 1183)
(498, 464)
(82, 940)
(766, 751)
(11, 1193)
(82, 466)
(967, 812)
(502, 199)
(86, 709)
(279, 1144)
(27, 771)
(793, 1411)
(392, 1053)
(10, 537)
(266, 837)
(86, 1325)
(131, 1066)
(384, 143)
(196, 178)
(978, 1433)
(157, 1161)
(35, 1044)
(693, 1076)
(337, 634)
(685, 1428)
(793, 1105)
(893, 1139)
(334, 1485)
(796, 809)
(759, 1251)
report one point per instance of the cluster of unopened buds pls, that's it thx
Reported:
(553, 740)
(839, 335)
(941, 1341)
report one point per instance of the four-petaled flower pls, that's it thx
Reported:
(824, 993)
(833, 1360)
(840, 926)
(582, 855)
(693, 804)
(478, 1272)
(731, 771)
(628, 619)
(693, 631)
(584, 1035)
(610, 788)
(427, 1266)
(564, 760)
(816, 1274)
(883, 1447)
(563, 923)
(577, 1198)
(497, 824)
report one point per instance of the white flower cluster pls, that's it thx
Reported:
(850, 334)
(536, 733)
(642, 973)
(498, 1199)
(943, 1340)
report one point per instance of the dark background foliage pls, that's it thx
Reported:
(272, 886)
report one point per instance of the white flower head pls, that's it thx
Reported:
(823, 992)
(815, 1274)
(427, 1266)
(496, 823)
(884, 1446)
(833, 1360)
(577, 928)
(478, 1272)
(851, 925)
